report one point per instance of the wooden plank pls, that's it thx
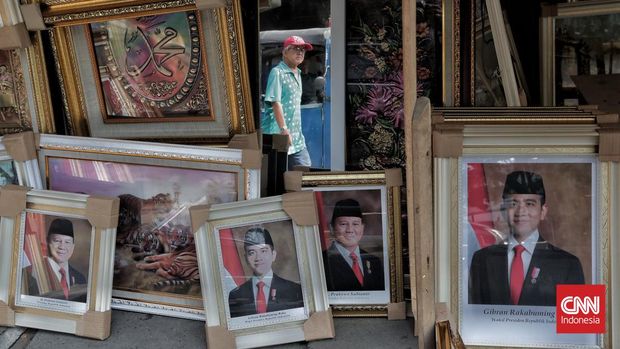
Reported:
(420, 218)
(410, 94)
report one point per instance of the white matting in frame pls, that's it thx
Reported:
(226, 227)
(375, 195)
(569, 181)
(275, 227)
(77, 300)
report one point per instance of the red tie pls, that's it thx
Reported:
(356, 269)
(516, 275)
(63, 282)
(261, 304)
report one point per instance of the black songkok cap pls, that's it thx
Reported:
(61, 226)
(257, 236)
(346, 208)
(524, 182)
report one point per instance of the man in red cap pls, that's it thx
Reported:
(283, 101)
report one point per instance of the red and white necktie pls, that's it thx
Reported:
(356, 269)
(516, 275)
(63, 282)
(261, 303)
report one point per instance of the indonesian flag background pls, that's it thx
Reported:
(479, 217)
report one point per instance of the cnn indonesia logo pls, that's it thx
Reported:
(580, 309)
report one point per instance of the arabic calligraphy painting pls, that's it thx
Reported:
(152, 68)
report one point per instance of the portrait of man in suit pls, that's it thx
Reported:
(347, 266)
(64, 279)
(265, 291)
(524, 269)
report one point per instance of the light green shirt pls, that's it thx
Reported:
(284, 86)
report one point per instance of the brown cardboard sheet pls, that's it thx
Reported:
(609, 144)
(14, 36)
(301, 207)
(208, 4)
(251, 158)
(20, 146)
(198, 216)
(601, 90)
(604, 119)
(397, 311)
(7, 315)
(94, 324)
(219, 337)
(32, 16)
(393, 177)
(102, 211)
(320, 325)
(292, 180)
(244, 141)
(280, 143)
(12, 200)
(448, 143)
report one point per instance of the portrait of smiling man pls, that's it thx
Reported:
(524, 269)
(265, 291)
(63, 276)
(347, 266)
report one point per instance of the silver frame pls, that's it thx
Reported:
(309, 260)
(145, 153)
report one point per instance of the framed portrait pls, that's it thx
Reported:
(156, 268)
(164, 70)
(60, 276)
(576, 40)
(524, 208)
(265, 283)
(359, 224)
(18, 160)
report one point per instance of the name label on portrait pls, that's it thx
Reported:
(265, 319)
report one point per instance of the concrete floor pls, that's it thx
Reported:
(134, 331)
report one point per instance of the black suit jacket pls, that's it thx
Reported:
(489, 283)
(340, 277)
(76, 294)
(284, 294)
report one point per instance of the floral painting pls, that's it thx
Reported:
(375, 115)
(375, 108)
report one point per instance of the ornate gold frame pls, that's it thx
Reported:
(226, 53)
(32, 94)
(318, 180)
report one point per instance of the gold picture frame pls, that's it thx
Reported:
(377, 194)
(225, 72)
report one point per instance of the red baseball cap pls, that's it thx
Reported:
(297, 41)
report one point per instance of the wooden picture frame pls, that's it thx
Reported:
(193, 89)
(156, 268)
(31, 295)
(377, 195)
(297, 308)
(547, 145)
(597, 17)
